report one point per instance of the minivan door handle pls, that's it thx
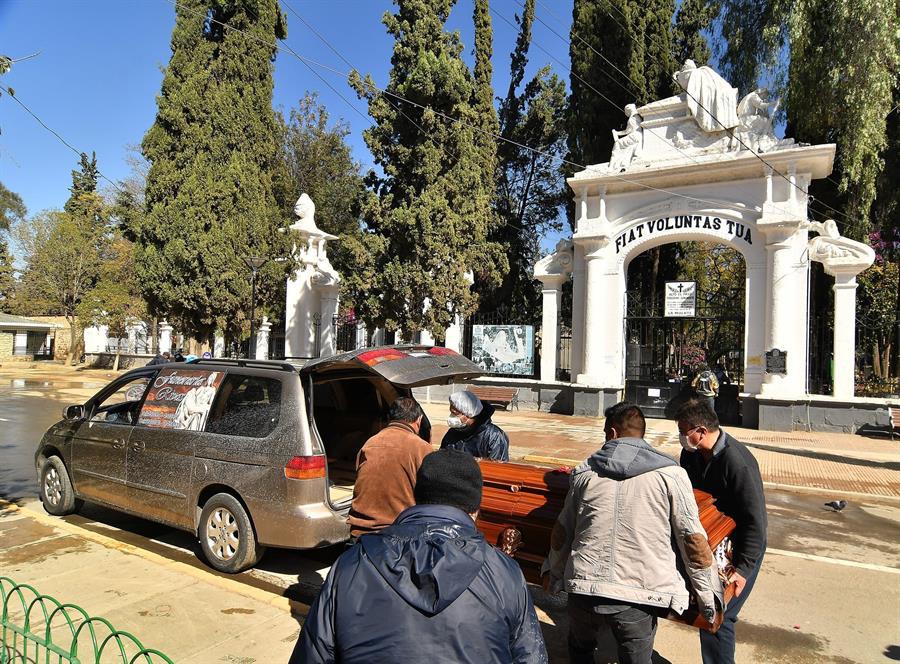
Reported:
(118, 444)
(138, 446)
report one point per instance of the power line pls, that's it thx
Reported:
(62, 140)
(471, 126)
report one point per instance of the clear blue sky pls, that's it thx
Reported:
(99, 70)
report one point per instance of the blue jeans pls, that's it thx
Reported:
(718, 648)
(634, 630)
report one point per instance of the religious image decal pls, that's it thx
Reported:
(180, 399)
(504, 349)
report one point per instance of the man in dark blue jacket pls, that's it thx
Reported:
(429, 588)
(471, 429)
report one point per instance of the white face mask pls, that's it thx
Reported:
(455, 423)
(686, 444)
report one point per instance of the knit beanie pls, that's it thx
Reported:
(466, 403)
(449, 477)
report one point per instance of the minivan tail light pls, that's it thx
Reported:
(305, 468)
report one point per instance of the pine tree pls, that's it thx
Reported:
(213, 152)
(429, 224)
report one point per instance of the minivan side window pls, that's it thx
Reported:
(246, 406)
(121, 407)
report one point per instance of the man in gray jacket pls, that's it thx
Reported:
(612, 546)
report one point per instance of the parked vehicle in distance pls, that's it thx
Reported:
(245, 454)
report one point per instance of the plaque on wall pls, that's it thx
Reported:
(776, 361)
(681, 299)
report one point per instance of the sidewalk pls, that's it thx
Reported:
(190, 615)
(833, 463)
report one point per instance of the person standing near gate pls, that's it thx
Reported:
(724, 468)
(706, 385)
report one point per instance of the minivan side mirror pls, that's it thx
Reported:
(74, 413)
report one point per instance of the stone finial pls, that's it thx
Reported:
(557, 264)
(835, 252)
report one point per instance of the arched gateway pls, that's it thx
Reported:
(675, 181)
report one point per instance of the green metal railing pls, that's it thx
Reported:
(38, 629)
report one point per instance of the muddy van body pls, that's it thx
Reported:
(245, 454)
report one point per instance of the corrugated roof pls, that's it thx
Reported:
(22, 323)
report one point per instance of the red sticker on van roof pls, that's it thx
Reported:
(440, 350)
(374, 357)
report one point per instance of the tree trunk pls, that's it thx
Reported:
(73, 335)
(154, 336)
(116, 361)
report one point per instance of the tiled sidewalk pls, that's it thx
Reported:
(827, 462)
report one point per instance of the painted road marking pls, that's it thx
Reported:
(833, 561)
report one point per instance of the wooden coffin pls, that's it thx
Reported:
(520, 504)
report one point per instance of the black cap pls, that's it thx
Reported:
(449, 477)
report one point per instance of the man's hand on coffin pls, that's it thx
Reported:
(739, 583)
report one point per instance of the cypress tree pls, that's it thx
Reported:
(693, 17)
(429, 225)
(213, 151)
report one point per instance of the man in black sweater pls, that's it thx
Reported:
(723, 467)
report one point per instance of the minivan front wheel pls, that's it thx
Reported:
(57, 493)
(226, 535)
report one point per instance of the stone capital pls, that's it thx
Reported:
(552, 282)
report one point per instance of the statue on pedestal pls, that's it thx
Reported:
(710, 98)
(627, 144)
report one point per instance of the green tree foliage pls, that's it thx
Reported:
(530, 190)
(839, 81)
(213, 150)
(693, 18)
(7, 276)
(115, 300)
(318, 161)
(63, 252)
(623, 49)
(430, 221)
(12, 209)
(877, 313)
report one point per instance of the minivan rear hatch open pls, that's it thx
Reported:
(404, 366)
(350, 395)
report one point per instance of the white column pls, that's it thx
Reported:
(786, 305)
(132, 331)
(165, 336)
(329, 308)
(262, 339)
(298, 316)
(755, 327)
(219, 345)
(453, 336)
(552, 294)
(579, 288)
(844, 334)
(596, 315)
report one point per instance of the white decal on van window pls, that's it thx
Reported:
(180, 399)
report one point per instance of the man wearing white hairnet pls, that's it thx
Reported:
(471, 429)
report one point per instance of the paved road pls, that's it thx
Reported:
(829, 591)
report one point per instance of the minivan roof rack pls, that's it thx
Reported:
(237, 362)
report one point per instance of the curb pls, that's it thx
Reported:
(250, 592)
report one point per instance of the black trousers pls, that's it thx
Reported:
(634, 629)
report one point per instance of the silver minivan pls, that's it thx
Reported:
(243, 453)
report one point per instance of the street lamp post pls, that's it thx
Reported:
(254, 263)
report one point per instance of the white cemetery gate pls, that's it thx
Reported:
(676, 177)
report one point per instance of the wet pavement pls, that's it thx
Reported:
(829, 590)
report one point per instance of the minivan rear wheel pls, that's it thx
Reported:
(57, 493)
(226, 535)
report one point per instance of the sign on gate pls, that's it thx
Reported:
(681, 299)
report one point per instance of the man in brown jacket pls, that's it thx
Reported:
(386, 469)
